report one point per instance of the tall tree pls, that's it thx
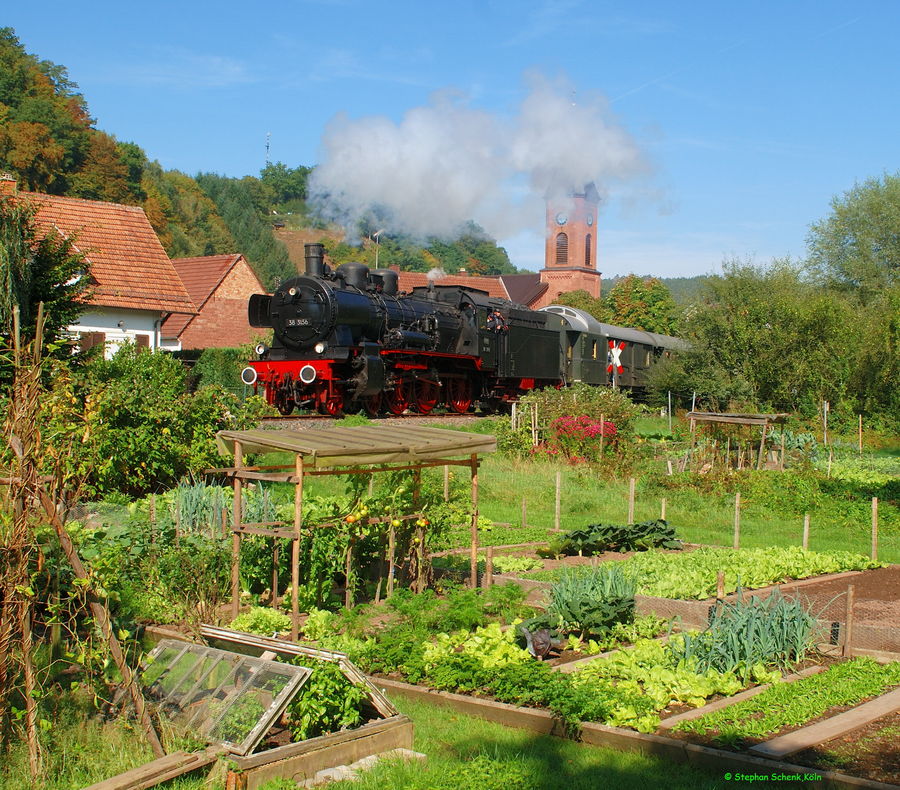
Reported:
(642, 303)
(857, 246)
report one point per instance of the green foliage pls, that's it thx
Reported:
(598, 538)
(794, 704)
(642, 303)
(196, 574)
(858, 245)
(591, 602)
(744, 634)
(326, 703)
(651, 669)
(221, 367)
(582, 300)
(37, 267)
(261, 620)
(234, 200)
(142, 430)
(694, 574)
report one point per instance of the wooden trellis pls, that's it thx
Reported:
(340, 451)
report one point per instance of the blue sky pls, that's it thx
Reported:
(717, 130)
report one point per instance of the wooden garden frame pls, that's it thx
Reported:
(341, 451)
(763, 420)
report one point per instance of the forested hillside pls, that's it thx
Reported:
(50, 143)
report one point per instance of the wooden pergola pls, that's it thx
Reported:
(763, 420)
(340, 451)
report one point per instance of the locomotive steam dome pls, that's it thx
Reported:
(302, 311)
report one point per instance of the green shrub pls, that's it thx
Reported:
(261, 620)
(598, 538)
(327, 702)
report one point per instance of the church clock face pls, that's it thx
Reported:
(590, 219)
(561, 218)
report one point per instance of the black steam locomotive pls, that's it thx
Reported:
(346, 339)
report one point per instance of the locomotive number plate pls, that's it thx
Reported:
(296, 322)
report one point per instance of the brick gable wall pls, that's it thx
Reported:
(222, 321)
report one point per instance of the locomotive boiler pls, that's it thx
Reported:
(347, 339)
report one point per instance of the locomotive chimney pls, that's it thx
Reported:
(315, 259)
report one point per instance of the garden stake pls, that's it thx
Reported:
(720, 585)
(602, 431)
(473, 559)
(805, 531)
(295, 548)
(662, 510)
(236, 534)
(558, 496)
(848, 634)
(371, 484)
(489, 567)
(274, 573)
(524, 512)
(447, 481)
(728, 452)
(390, 579)
(874, 527)
(781, 459)
(737, 520)
(348, 593)
(631, 501)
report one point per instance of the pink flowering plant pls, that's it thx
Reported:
(578, 439)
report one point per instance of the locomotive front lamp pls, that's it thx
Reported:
(320, 347)
(261, 349)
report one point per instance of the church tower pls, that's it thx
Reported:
(570, 258)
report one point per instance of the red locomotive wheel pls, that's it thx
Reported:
(397, 400)
(459, 395)
(426, 397)
(372, 404)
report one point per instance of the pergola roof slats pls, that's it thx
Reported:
(322, 448)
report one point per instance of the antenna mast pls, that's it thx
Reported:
(268, 138)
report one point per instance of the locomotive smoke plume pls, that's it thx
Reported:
(447, 163)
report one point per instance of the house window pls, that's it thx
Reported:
(562, 248)
(587, 250)
(88, 340)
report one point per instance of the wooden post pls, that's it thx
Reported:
(489, 567)
(860, 434)
(762, 446)
(670, 412)
(295, 548)
(275, 559)
(874, 527)
(662, 509)
(534, 425)
(631, 483)
(524, 512)
(236, 534)
(848, 631)
(473, 559)
(805, 531)
(556, 519)
(371, 484)
(669, 467)
(728, 452)
(348, 569)
(602, 432)
(513, 416)
(781, 456)
(391, 548)
(447, 482)
(825, 409)
(720, 585)
(737, 520)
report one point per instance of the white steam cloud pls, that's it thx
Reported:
(447, 163)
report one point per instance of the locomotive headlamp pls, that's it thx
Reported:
(248, 376)
(261, 348)
(292, 291)
(320, 347)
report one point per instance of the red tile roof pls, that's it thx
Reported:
(524, 288)
(201, 277)
(410, 280)
(129, 267)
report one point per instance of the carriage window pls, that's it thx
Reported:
(647, 360)
(562, 248)
(593, 349)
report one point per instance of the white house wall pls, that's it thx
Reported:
(119, 326)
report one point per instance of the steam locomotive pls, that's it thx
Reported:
(346, 340)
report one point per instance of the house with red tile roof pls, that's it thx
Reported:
(220, 286)
(134, 286)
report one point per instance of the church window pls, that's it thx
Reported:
(562, 248)
(587, 250)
